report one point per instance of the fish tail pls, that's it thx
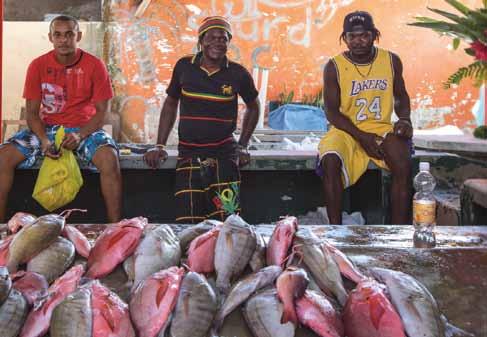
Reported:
(289, 315)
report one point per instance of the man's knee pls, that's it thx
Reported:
(106, 160)
(10, 157)
(331, 164)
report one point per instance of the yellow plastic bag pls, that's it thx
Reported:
(59, 180)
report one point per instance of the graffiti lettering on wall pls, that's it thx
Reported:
(292, 38)
(145, 49)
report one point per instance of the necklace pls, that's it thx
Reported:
(370, 66)
(368, 72)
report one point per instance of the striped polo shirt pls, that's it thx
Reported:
(208, 105)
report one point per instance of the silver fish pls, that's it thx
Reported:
(159, 249)
(190, 233)
(243, 289)
(414, 303)
(263, 313)
(13, 313)
(322, 266)
(234, 247)
(258, 259)
(31, 240)
(53, 261)
(5, 284)
(73, 316)
(195, 309)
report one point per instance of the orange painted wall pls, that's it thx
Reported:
(294, 38)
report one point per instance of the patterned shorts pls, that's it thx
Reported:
(30, 146)
(206, 188)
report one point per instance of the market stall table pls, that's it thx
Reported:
(455, 271)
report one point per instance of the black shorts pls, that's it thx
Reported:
(206, 188)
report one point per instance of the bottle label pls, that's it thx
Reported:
(424, 211)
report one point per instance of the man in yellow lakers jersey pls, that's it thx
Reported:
(362, 87)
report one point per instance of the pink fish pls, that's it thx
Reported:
(32, 285)
(368, 313)
(153, 301)
(201, 252)
(344, 264)
(19, 220)
(81, 243)
(111, 316)
(114, 245)
(291, 285)
(281, 240)
(317, 313)
(4, 245)
(39, 318)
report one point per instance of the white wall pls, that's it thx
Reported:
(24, 41)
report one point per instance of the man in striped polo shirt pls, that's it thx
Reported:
(207, 85)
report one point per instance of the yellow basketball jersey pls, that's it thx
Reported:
(366, 90)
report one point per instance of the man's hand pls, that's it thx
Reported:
(48, 149)
(403, 128)
(371, 143)
(243, 156)
(71, 141)
(155, 156)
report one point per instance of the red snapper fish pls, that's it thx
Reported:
(81, 243)
(153, 300)
(32, 285)
(19, 220)
(291, 285)
(344, 264)
(4, 248)
(281, 240)
(114, 245)
(39, 318)
(317, 313)
(368, 313)
(201, 252)
(111, 317)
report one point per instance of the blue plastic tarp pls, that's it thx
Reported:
(298, 117)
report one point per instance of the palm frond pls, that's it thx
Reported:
(459, 6)
(476, 71)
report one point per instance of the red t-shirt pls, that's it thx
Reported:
(67, 93)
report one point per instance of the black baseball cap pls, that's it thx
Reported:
(358, 21)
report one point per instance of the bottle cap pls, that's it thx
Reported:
(424, 166)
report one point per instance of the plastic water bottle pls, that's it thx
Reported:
(424, 208)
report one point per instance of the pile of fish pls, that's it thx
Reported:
(53, 282)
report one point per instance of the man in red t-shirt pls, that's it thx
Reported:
(65, 87)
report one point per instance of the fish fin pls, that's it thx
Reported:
(160, 293)
(289, 315)
(45, 304)
(186, 298)
(229, 240)
(377, 310)
(278, 236)
(117, 237)
(108, 316)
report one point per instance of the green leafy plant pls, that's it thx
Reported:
(285, 97)
(470, 27)
(314, 99)
(480, 132)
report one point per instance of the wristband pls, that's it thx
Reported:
(157, 147)
(243, 148)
